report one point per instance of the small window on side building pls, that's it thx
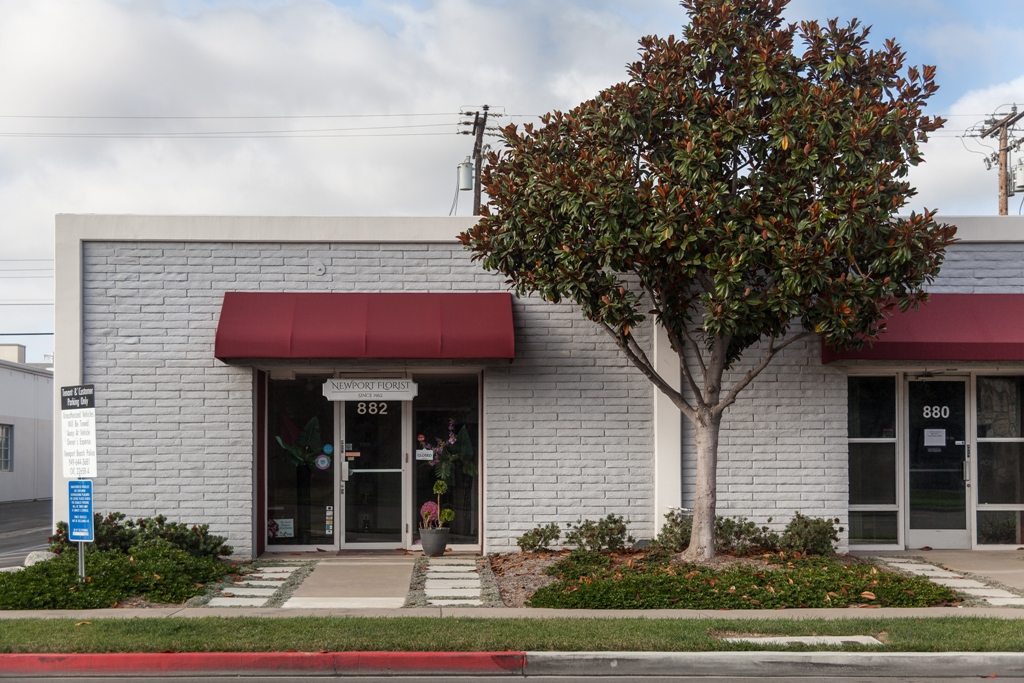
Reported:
(6, 447)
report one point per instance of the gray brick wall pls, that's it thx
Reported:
(567, 425)
(782, 444)
(982, 267)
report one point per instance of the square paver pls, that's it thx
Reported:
(456, 603)
(237, 602)
(989, 593)
(260, 584)
(452, 592)
(957, 583)
(454, 569)
(1005, 602)
(243, 592)
(452, 560)
(440, 585)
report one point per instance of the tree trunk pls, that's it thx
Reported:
(702, 538)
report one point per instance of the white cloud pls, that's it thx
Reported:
(953, 178)
(103, 57)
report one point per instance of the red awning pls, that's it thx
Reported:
(365, 325)
(949, 327)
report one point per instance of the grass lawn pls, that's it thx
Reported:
(312, 634)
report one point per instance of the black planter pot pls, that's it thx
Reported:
(434, 541)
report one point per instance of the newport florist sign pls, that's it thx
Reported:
(370, 389)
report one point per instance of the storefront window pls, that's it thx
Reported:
(447, 409)
(300, 463)
(874, 514)
(1000, 460)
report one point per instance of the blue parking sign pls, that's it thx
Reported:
(80, 526)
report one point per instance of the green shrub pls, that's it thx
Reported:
(112, 532)
(737, 536)
(539, 538)
(156, 570)
(594, 582)
(812, 535)
(609, 533)
(579, 563)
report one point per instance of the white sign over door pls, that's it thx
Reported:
(370, 389)
(78, 431)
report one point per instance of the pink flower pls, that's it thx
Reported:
(429, 511)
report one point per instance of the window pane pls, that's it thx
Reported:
(874, 528)
(872, 473)
(300, 483)
(1000, 473)
(999, 407)
(6, 437)
(1000, 527)
(872, 407)
(447, 406)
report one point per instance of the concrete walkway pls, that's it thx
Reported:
(355, 582)
(998, 566)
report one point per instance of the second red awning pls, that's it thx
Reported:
(950, 327)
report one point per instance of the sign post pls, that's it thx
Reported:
(78, 437)
(80, 519)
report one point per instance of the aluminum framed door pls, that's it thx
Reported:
(372, 489)
(938, 462)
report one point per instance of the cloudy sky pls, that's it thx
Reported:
(351, 107)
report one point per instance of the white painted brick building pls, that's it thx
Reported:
(566, 429)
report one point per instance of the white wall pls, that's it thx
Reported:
(26, 402)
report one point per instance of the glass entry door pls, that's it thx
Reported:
(371, 473)
(939, 469)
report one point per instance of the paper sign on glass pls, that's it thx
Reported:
(935, 437)
(424, 454)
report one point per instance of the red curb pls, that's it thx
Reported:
(350, 663)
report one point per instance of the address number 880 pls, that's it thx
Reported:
(373, 408)
(936, 411)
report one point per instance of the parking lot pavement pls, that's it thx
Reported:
(24, 527)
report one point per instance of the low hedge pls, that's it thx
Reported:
(594, 581)
(157, 571)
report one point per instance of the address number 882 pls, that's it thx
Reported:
(373, 408)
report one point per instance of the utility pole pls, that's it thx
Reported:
(479, 126)
(1002, 127)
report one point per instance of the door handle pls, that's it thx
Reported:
(967, 470)
(344, 470)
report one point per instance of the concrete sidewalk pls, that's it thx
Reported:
(519, 613)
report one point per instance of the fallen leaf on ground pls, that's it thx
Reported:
(84, 623)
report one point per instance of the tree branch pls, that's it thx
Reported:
(730, 398)
(651, 374)
(680, 348)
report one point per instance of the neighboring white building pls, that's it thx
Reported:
(26, 429)
(230, 357)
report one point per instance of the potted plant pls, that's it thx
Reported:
(433, 535)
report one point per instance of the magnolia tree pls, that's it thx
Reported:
(740, 190)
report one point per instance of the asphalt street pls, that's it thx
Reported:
(552, 679)
(24, 527)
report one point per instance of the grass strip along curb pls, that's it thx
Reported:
(618, 664)
(468, 634)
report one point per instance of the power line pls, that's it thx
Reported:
(218, 118)
(26, 334)
(27, 304)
